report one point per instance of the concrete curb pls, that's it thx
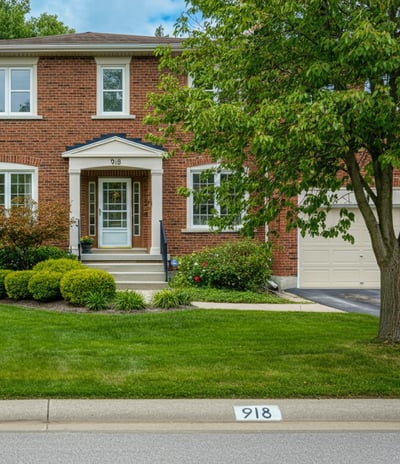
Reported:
(196, 414)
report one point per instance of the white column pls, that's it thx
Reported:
(75, 204)
(156, 210)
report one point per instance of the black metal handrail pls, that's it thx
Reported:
(78, 227)
(164, 249)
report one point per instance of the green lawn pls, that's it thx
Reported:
(193, 354)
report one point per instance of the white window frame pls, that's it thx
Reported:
(8, 169)
(190, 203)
(8, 65)
(122, 63)
(213, 90)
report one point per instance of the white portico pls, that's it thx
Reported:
(112, 158)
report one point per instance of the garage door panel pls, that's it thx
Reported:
(371, 277)
(345, 275)
(334, 263)
(315, 256)
(345, 256)
(316, 274)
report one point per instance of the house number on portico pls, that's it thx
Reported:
(116, 161)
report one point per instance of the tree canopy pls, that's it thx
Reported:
(297, 99)
(14, 23)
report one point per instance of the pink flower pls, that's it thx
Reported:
(196, 278)
(204, 264)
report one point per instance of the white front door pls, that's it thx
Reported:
(115, 212)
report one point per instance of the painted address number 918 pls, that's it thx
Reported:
(258, 413)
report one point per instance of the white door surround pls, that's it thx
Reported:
(119, 153)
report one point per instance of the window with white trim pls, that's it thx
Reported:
(194, 83)
(113, 87)
(18, 87)
(16, 186)
(203, 202)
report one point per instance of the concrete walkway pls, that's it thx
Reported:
(299, 304)
(303, 307)
(197, 415)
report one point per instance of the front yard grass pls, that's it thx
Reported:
(193, 354)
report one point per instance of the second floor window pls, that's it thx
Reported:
(15, 90)
(113, 90)
(112, 87)
(18, 87)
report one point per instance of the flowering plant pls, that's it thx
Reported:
(238, 265)
(86, 240)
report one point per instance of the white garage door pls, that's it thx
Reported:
(334, 263)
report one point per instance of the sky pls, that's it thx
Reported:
(136, 17)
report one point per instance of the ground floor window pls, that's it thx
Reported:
(16, 186)
(203, 203)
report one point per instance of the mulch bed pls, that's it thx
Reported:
(64, 306)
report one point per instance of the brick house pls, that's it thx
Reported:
(71, 118)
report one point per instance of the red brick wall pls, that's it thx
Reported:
(284, 248)
(67, 101)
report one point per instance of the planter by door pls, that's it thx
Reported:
(86, 248)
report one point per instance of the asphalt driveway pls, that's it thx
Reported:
(363, 301)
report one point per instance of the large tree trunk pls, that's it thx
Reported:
(389, 323)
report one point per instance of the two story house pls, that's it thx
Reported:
(71, 124)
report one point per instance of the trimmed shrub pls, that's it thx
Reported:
(45, 285)
(76, 285)
(3, 274)
(129, 300)
(62, 265)
(16, 284)
(239, 265)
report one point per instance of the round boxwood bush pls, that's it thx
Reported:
(3, 274)
(16, 284)
(77, 285)
(62, 265)
(45, 285)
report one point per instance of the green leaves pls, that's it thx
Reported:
(306, 95)
(14, 25)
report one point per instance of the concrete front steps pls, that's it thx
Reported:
(132, 269)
